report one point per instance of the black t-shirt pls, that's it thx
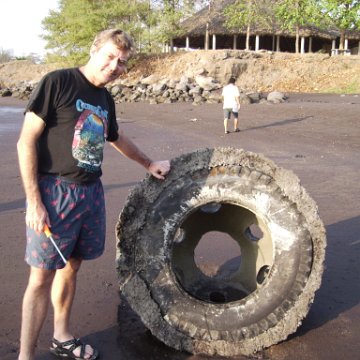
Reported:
(79, 117)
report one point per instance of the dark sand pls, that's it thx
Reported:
(316, 136)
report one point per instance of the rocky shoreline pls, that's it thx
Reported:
(198, 90)
(197, 77)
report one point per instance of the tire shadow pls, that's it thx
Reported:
(340, 288)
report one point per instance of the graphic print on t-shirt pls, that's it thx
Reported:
(89, 137)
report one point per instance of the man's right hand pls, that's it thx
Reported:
(36, 216)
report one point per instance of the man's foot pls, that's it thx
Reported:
(73, 349)
(237, 130)
(227, 132)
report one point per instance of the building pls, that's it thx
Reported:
(206, 30)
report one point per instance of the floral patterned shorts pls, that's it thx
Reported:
(77, 219)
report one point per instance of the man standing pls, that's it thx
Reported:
(69, 117)
(231, 104)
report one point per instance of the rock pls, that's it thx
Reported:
(115, 90)
(215, 97)
(198, 89)
(207, 83)
(254, 97)
(150, 80)
(244, 99)
(182, 86)
(6, 93)
(276, 97)
(231, 68)
(171, 83)
(158, 88)
(198, 100)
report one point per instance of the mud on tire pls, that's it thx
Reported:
(264, 209)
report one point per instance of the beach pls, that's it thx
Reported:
(317, 136)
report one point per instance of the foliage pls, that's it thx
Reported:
(344, 14)
(266, 15)
(169, 21)
(169, 14)
(292, 14)
(71, 29)
(245, 14)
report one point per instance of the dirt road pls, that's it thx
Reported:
(316, 136)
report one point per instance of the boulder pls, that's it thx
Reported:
(276, 97)
(207, 83)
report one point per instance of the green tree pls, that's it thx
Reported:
(70, 30)
(171, 13)
(149, 18)
(292, 14)
(247, 14)
(344, 14)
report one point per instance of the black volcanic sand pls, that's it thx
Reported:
(317, 136)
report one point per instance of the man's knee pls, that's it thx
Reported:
(72, 266)
(41, 278)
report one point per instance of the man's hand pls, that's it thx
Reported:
(159, 169)
(36, 216)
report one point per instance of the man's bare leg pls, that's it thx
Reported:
(34, 310)
(236, 124)
(226, 125)
(62, 297)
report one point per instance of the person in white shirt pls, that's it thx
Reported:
(231, 104)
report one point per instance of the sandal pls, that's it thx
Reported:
(237, 130)
(62, 350)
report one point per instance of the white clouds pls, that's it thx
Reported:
(20, 25)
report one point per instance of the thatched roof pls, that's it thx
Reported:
(213, 18)
(353, 35)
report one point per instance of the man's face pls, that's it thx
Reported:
(108, 63)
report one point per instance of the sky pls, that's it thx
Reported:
(20, 25)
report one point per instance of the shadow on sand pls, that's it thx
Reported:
(279, 123)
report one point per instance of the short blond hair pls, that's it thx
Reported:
(120, 38)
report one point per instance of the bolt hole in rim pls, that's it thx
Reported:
(221, 253)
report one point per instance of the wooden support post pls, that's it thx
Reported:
(257, 43)
(214, 42)
(302, 45)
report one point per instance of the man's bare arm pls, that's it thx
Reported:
(36, 214)
(126, 147)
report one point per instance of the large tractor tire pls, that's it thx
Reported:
(259, 205)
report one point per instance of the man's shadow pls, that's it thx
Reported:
(278, 123)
